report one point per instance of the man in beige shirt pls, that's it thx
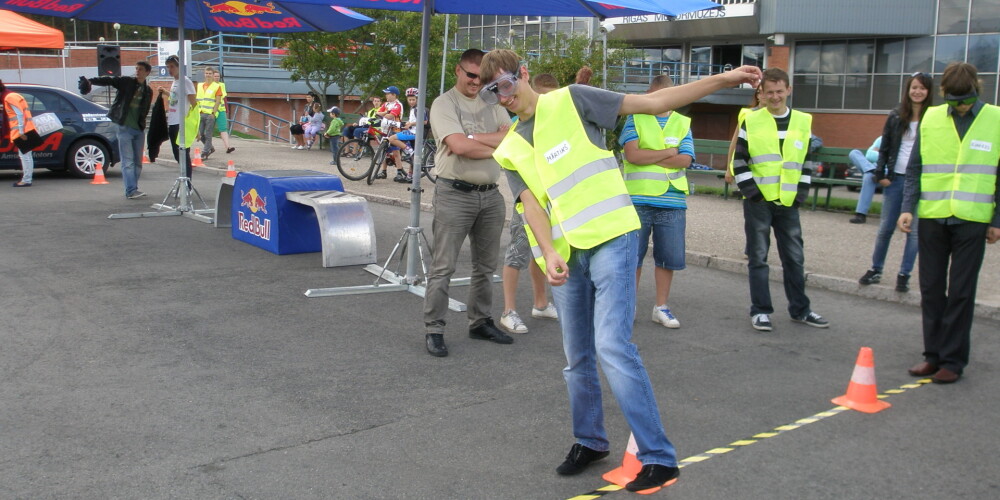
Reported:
(467, 203)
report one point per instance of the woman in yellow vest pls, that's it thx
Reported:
(657, 149)
(587, 242)
(952, 186)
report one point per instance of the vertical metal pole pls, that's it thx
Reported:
(444, 51)
(413, 246)
(182, 107)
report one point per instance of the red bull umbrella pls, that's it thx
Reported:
(251, 16)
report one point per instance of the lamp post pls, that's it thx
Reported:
(117, 27)
(606, 27)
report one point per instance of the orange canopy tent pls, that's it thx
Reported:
(19, 32)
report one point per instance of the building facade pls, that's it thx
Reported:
(847, 58)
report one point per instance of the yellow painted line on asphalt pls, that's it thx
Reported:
(743, 443)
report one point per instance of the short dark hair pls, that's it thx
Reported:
(660, 82)
(474, 56)
(775, 75)
(960, 78)
(145, 65)
(174, 60)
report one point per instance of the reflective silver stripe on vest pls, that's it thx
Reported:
(764, 158)
(956, 195)
(596, 210)
(771, 179)
(676, 175)
(743, 176)
(646, 176)
(536, 251)
(959, 169)
(789, 187)
(792, 165)
(579, 175)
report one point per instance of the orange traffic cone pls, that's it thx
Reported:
(145, 159)
(99, 175)
(196, 158)
(862, 395)
(630, 466)
(231, 170)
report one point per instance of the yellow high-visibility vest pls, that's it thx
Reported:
(777, 170)
(653, 180)
(577, 183)
(206, 97)
(958, 177)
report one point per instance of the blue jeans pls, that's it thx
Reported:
(334, 145)
(891, 206)
(27, 166)
(596, 309)
(867, 181)
(666, 226)
(758, 219)
(130, 149)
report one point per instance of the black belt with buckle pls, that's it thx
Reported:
(468, 186)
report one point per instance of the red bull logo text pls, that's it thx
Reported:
(53, 5)
(241, 8)
(254, 226)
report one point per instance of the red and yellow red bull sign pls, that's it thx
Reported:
(253, 225)
(248, 15)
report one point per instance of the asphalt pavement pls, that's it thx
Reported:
(160, 358)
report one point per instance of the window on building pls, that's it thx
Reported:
(985, 16)
(753, 55)
(953, 16)
(949, 48)
(983, 52)
(918, 54)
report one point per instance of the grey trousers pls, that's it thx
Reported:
(206, 127)
(458, 215)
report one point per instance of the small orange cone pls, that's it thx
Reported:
(862, 395)
(630, 466)
(231, 170)
(196, 158)
(99, 175)
(145, 159)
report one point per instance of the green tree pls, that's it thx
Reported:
(365, 60)
(563, 56)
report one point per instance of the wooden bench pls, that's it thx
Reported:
(717, 152)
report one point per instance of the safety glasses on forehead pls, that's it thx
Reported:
(505, 86)
(962, 99)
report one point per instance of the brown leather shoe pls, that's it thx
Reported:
(945, 376)
(923, 369)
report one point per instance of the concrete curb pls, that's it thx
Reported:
(835, 284)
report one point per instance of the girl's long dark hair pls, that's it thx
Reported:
(905, 109)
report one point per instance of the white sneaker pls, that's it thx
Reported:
(511, 322)
(299, 147)
(294, 146)
(663, 316)
(548, 312)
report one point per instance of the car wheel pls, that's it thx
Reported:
(83, 157)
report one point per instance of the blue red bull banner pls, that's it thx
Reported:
(272, 16)
(263, 217)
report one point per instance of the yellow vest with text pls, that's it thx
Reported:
(654, 180)
(206, 96)
(577, 183)
(958, 177)
(778, 170)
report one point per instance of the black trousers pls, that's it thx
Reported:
(173, 130)
(948, 294)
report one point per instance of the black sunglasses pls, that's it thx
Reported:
(471, 75)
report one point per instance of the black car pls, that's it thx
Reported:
(86, 139)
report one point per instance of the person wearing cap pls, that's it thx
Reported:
(333, 132)
(391, 110)
(409, 133)
(953, 188)
(467, 204)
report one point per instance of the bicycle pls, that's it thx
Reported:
(354, 156)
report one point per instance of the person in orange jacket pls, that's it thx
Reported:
(19, 129)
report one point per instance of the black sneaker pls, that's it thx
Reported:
(381, 175)
(487, 331)
(400, 176)
(653, 477)
(435, 345)
(871, 277)
(859, 219)
(578, 459)
(813, 319)
(902, 283)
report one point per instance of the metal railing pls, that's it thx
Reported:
(242, 50)
(270, 127)
(639, 72)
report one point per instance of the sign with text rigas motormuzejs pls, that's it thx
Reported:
(263, 217)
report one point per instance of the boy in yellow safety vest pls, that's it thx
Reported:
(773, 169)
(657, 150)
(953, 187)
(584, 232)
